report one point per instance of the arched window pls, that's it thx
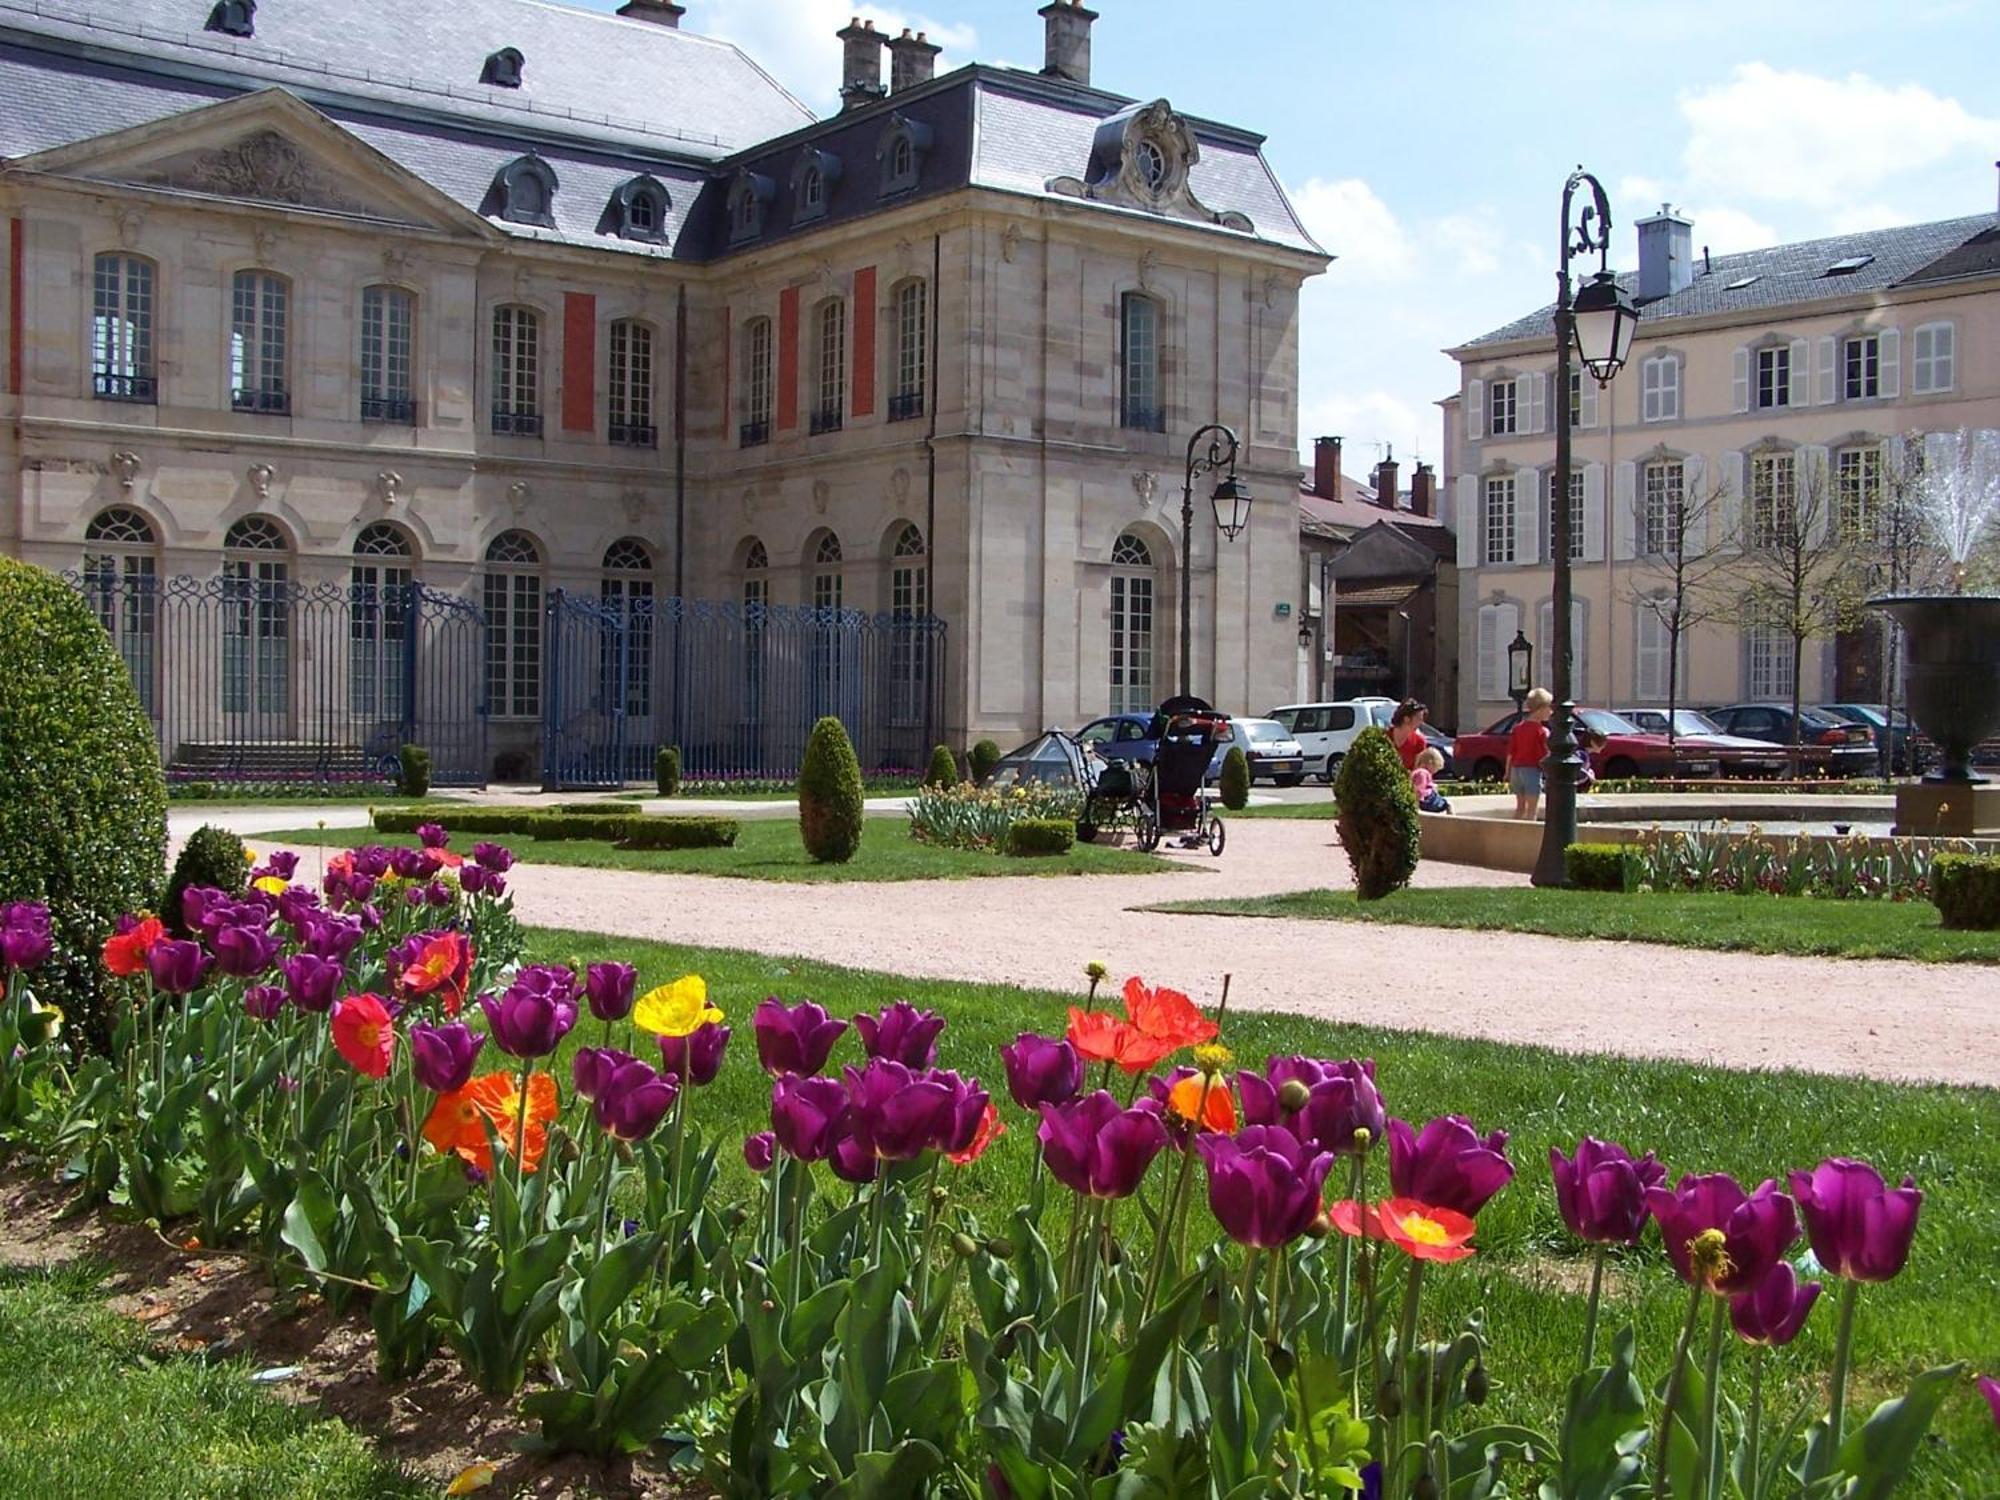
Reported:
(748, 193)
(524, 192)
(830, 390)
(757, 390)
(630, 399)
(639, 211)
(1132, 589)
(831, 637)
(517, 371)
(256, 620)
(912, 306)
(1139, 403)
(260, 342)
(512, 592)
(826, 572)
(378, 603)
(899, 154)
(388, 334)
(756, 613)
(121, 329)
(233, 18)
(121, 576)
(503, 68)
(909, 646)
(626, 593)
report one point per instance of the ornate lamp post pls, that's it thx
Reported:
(1520, 665)
(1231, 501)
(1598, 329)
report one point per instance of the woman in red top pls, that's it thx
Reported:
(1406, 731)
(1527, 748)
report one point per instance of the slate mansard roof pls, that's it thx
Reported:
(1786, 276)
(601, 100)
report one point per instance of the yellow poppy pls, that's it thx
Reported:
(471, 1478)
(675, 1009)
(270, 885)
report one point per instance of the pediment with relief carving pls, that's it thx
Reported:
(262, 167)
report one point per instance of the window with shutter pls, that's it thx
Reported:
(1501, 407)
(1662, 508)
(1861, 367)
(1497, 520)
(1740, 385)
(1475, 410)
(1774, 377)
(1857, 490)
(1933, 358)
(1575, 517)
(1773, 509)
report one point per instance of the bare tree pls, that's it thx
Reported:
(1681, 531)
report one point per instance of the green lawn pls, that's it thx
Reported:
(1750, 924)
(769, 849)
(1945, 1306)
(1321, 810)
(90, 1406)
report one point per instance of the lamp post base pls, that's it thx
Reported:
(1562, 773)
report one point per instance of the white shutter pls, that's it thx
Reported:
(1579, 650)
(1466, 518)
(1545, 645)
(1892, 361)
(1695, 513)
(1531, 511)
(1624, 510)
(1726, 529)
(1812, 472)
(1826, 371)
(1475, 410)
(1536, 388)
(1650, 633)
(1593, 513)
(1486, 653)
(1740, 387)
(1800, 393)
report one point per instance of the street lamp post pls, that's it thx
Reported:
(1231, 501)
(1520, 667)
(1597, 327)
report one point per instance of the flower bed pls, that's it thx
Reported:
(965, 816)
(1718, 857)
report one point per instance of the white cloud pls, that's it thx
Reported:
(1354, 224)
(1721, 228)
(794, 40)
(1367, 420)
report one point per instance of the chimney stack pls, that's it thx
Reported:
(1068, 53)
(1421, 496)
(1666, 254)
(861, 64)
(1326, 468)
(912, 60)
(658, 12)
(1386, 473)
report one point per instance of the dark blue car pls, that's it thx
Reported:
(1124, 737)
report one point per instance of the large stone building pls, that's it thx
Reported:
(334, 304)
(1798, 376)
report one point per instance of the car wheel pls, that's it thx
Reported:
(1330, 770)
(1487, 769)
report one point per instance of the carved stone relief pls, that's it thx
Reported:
(1146, 484)
(260, 477)
(264, 166)
(125, 464)
(389, 486)
(822, 492)
(1142, 157)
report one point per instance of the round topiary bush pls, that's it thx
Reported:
(1378, 815)
(984, 757)
(667, 770)
(830, 809)
(944, 769)
(83, 817)
(1028, 837)
(1236, 779)
(213, 857)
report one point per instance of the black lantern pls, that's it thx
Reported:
(1232, 506)
(1605, 322)
(1520, 661)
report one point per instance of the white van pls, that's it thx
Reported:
(1325, 730)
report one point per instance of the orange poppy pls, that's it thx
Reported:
(1356, 1219)
(991, 1128)
(125, 952)
(1167, 1014)
(1099, 1036)
(443, 968)
(1425, 1231)
(459, 1120)
(1217, 1111)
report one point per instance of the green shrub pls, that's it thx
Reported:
(944, 768)
(1378, 815)
(413, 775)
(1235, 779)
(964, 816)
(984, 757)
(667, 770)
(1032, 836)
(565, 822)
(830, 808)
(212, 856)
(1965, 888)
(191, 791)
(1596, 867)
(83, 805)
(679, 833)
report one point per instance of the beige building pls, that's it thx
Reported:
(1753, 378)
(546, 384)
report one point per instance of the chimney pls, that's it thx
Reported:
(912, 60)
(658, 12)
(1068, 54)
(1386, 474)
(1326, 468)
(861, 64)
(1421, 483)
(1666, 254)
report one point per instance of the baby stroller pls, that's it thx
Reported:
(1187, 732)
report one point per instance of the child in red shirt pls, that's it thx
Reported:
(1527, 748)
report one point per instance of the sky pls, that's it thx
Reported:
(1425, 142)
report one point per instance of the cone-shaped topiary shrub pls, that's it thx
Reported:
(984, 757)
(830, 808)
(83, 806)
(944, 769)
(1378, 815)
(413, 771)
(1235, 778)
(667, 770)
(212, 856)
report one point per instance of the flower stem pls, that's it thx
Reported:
(1271, 1297)
(1157, 1270)
(1354, 1176)
(1712, 1396)
(930, 1231)
(1756, 1430)
(1843, 1343)
(604, 1203)
(1673, 1395)
(1406, 1362)
(1082, 1371)
(1590, 1312)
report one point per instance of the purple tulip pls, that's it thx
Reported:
(901, 1033)
(371, 860)
(196, 900)
(696, 1058)
(328, 936)
(1263, 1184)
(244, 951)
(794, 1039)
(894, 1113)
(295, 902)
(432, 835)
(495, 857)
(437, 893)
(967, 1108)
(25, 937)
(1756, 1229)
(1041, 1070)
(759, 1150)
(1448, 1165)
(313, 982)
(592, 1068)
(283, 863)
(1333, 1103)
(807, 1115)
(360, 890)
(851, 1159)
(1859, 1228)
(1094, 1147)
(634, 1100)
(1602, 1191)
(263, 1002)
(533, 1016)
(442, 1057)
(1990, 1389)
(609, 988)
(176, 965)
(1774, 1310)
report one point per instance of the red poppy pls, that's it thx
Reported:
(365, 1034)
(1099, 1036)
(458, 1121)
(125, 952)
(1356, 1219)
(1425, 1231)
(1167, 1014)
(1215, 1106)
(443, 967)
(991, 1128)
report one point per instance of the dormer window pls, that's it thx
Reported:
(638, 211)
(812, 185)
(1152, 165)
(901, 154)
(748, 193)
(503, 69)
(524, 192)
(234, 18)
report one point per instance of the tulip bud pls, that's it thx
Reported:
(1363, 1138)
(1389, 1400)
(1293, 1096)
(1476, 1383)
(1283, 1362)
(1094, 971)
(1000, 1248)
(1320, 1227)
(965, 1245)
(733, 1217)
(940, 1197)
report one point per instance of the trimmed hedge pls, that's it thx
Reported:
(830, 805)
(83, 814)
(631, 830)
(1378, 815)
(1965, 888)
(1038, 836)
(679, 833)
(944, 768)
(1235, 786)
(667, 771)
(1597, 867)
(212, 856)
(413, 771)
(983, 758)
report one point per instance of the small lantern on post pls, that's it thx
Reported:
(1520, 660)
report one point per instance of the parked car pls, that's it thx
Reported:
(1273, 753)
(1628, 751)
(1849, 748)
(1875, 716)
(1125, 737)
(1735, 754)
(1325, 730)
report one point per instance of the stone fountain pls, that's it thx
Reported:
(1951, 641)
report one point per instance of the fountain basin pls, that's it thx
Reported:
(1951, 674)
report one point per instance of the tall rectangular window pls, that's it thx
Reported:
(757, 392)
(259, 340)
(517, 371)
(121, 329)
(830, 385)
(1767, 658)
(388, 331)
(1857, 490)
(1862, 368)
(1774, 376)
(630, 399)
(1497, 520)
(1773, 518)
(912, 345)
(1933, 358)
(1139, 402)
(1575, 513)
(1660, 389)
(1501, 398)
(1662, 508)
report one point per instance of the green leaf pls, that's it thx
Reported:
(926, 1402)
(1877, 1454)
(1604, 1429)
(1124, 1386)
(533, 1269)
(309, 1221)
(616, 1276)
(897, 1474)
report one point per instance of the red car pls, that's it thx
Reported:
(1627, 752)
